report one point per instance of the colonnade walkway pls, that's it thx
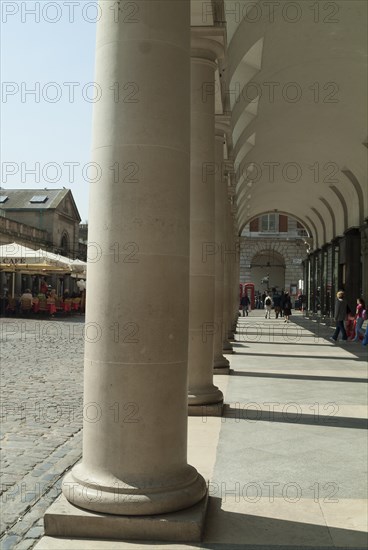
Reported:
(286, 463)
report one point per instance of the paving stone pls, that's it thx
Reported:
(34, 533)
(26, 544)
(22, 527)
(9, 541)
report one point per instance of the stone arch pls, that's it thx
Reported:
(285, 257)
(343, 204)
(267, 262)
(358, 190)
(299, 219)
(248, 218)
(332, 214)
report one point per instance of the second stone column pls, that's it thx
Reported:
(204, 397)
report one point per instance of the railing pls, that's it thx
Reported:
(19, 229)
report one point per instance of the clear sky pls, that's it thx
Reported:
(53, 126)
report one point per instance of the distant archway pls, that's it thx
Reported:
(268, 264)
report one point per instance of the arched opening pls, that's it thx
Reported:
(268, 270)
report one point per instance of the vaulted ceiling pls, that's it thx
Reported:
(294, 89)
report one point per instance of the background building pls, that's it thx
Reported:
(46, 218)
(273, 247)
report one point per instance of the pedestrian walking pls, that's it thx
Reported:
(360, 315)
(277, 305)
(365, 339)
(287, 307)
(282, 303)
(340, 314)
(268, 306)
(245, 302)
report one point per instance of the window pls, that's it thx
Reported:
(3, 198)
(39, 199)
(268, 223)
(64, 244)
(254, 225)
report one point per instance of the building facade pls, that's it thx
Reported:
(46, 218)
(273, 248)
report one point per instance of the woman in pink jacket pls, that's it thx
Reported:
(359, 319)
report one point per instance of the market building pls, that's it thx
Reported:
(37, 218)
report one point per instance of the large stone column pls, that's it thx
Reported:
(364, 252)
(231, 258)
(202, 392)
(227, 252)
(236, 277)
(135, 396)
(353, 267)
(221, 364)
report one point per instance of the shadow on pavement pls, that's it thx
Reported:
(299, 377)
(250, 414)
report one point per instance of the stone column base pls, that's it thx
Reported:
(221, 370)
(227, 347)
(212, 409)
(220, 361)
(64, 520)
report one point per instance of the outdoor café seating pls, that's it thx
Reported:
(76, 304)
(11, 306)
(51, 306)
(25, 305)
(67, 305)
(40, 305)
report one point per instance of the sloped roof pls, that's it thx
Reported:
(20, 199)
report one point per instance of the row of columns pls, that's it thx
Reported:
(334, 267)
(163, 244)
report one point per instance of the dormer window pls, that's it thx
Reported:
(39, 199)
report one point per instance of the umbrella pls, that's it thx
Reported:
(15, 251)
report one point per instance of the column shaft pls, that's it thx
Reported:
(227, 347)
(202, 231)
(135, 428)
(220, 362)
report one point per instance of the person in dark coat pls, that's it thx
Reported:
(245, 303)
(340, 315)
(287, 307)
(277, 304)
(282, 302)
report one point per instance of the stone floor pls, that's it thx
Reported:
(286, 464)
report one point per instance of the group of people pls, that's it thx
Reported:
(46, 300)
(281, 304)
(347, 323)
(48, 293)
